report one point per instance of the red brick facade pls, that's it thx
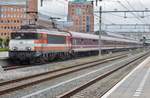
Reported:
(82, 16)
(12, 16)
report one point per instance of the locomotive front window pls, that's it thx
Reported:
(24, 36)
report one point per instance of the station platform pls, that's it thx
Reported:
(3, 55)
(135, 85)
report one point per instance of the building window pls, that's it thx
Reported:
(72, 9)
(12, 28)
(11, 9)
(15, 10)
(24, 9)
(8, 9)
(78, 11)
(18, 9)
(17, 21)
(2, 15)
(84, 23)
(3, 9)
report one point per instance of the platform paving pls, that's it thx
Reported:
(135, 85)
(3, 55)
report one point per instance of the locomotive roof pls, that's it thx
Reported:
(53, 32)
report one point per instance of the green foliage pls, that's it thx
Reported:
(4, 49)
(6, 42)
(1, 42)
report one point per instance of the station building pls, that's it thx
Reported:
(13, 14)
(80, 12)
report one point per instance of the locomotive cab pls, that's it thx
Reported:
(22, 41)
(22, 45)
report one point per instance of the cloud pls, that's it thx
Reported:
(54, 8)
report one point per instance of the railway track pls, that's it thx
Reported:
(12, 85)
(12, 66)
(78, 89)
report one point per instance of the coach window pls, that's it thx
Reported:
(74, 42)
(56, 39)
(79, 42)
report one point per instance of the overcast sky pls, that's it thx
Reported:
(59, 8)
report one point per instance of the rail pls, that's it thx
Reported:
(9, 86)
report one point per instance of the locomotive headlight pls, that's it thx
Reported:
(15, 48)
(28, 48)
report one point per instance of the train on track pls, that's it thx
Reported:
(39, 45)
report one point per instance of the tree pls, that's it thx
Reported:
(1, 42)
(6, 42)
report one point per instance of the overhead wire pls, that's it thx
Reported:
(104, 19)
(134, 9)
(138, 17)
(142, 5)
(123, 16)
(104, 25)
(130, 12)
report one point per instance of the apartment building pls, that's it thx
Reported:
(14, 13)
